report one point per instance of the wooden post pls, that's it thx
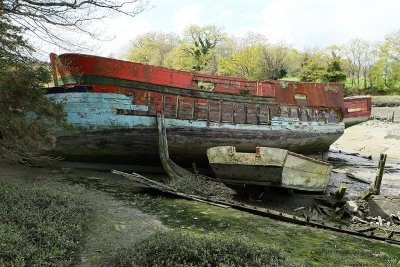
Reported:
(208, 110)
(341, 190)
(195, 171)
(163, 102)
(379, 173)
(245, 113)
(393, 116)
(233, 112)
(178, 100)
(258, 111)
(269, 115)
(193, 108)
(220, 111)
(148, 102)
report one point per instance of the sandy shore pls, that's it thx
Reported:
(372, 138)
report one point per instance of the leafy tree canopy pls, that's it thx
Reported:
(202, 40)
(55, 22)
(27, 117)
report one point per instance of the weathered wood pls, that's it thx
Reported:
(367, 193)
(195, 171)
(148, 102)
(369, 229)
(245, 113)
(164, 188)
(269, 115)
(392, 234)
(233, 111)
(141, 179)
(351, 176)
(177, 107)
(379, 173)
(341, 190)
(208, 110)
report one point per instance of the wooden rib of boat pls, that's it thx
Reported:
(269, 167)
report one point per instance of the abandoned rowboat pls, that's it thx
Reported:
(113, 105)
(269, 167)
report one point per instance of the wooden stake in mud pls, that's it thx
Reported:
(379, 174)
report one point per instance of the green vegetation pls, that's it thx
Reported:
(364, 66)
(26, 115)
(300, 245)
(40, 227)
(176, 249)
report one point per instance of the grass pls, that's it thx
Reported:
(40, 227)
(296, 244)
(177, 249)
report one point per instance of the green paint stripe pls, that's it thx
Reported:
(92, 79)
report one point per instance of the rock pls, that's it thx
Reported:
(351, 206)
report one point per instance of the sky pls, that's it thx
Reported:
(301, 23)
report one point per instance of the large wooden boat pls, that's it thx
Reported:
(269, 167)
(113, 105)
(357, 109)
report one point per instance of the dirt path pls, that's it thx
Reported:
(115, 224)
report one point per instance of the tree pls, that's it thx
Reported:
(388, 65)
(242, 56)
(152, 47)
(54, 21)
(360, 55)
(179, 59)
(334, 72)
(244, 63)
(274, 61)
(202, 39)
(27, 118)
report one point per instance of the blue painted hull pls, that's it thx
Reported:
(103, 134)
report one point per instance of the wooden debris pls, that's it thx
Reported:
(358, 220)
(369, 229)
(164, 188)
(379, 173)
(299, 208)
(341, 191)
(392, 234)
(351, 176)
(366, 193)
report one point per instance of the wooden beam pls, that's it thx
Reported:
(379, 173)
(341, 190)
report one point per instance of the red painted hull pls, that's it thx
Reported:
(318, 95)
(357, 109)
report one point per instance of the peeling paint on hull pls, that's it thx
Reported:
(269, 167)
(106, 136)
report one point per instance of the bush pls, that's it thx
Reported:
(174, 249)
(40, 227)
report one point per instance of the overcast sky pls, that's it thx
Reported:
(297, 22)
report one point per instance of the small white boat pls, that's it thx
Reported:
(269, 167)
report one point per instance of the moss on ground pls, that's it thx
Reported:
(40, 227)
(303, 245)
